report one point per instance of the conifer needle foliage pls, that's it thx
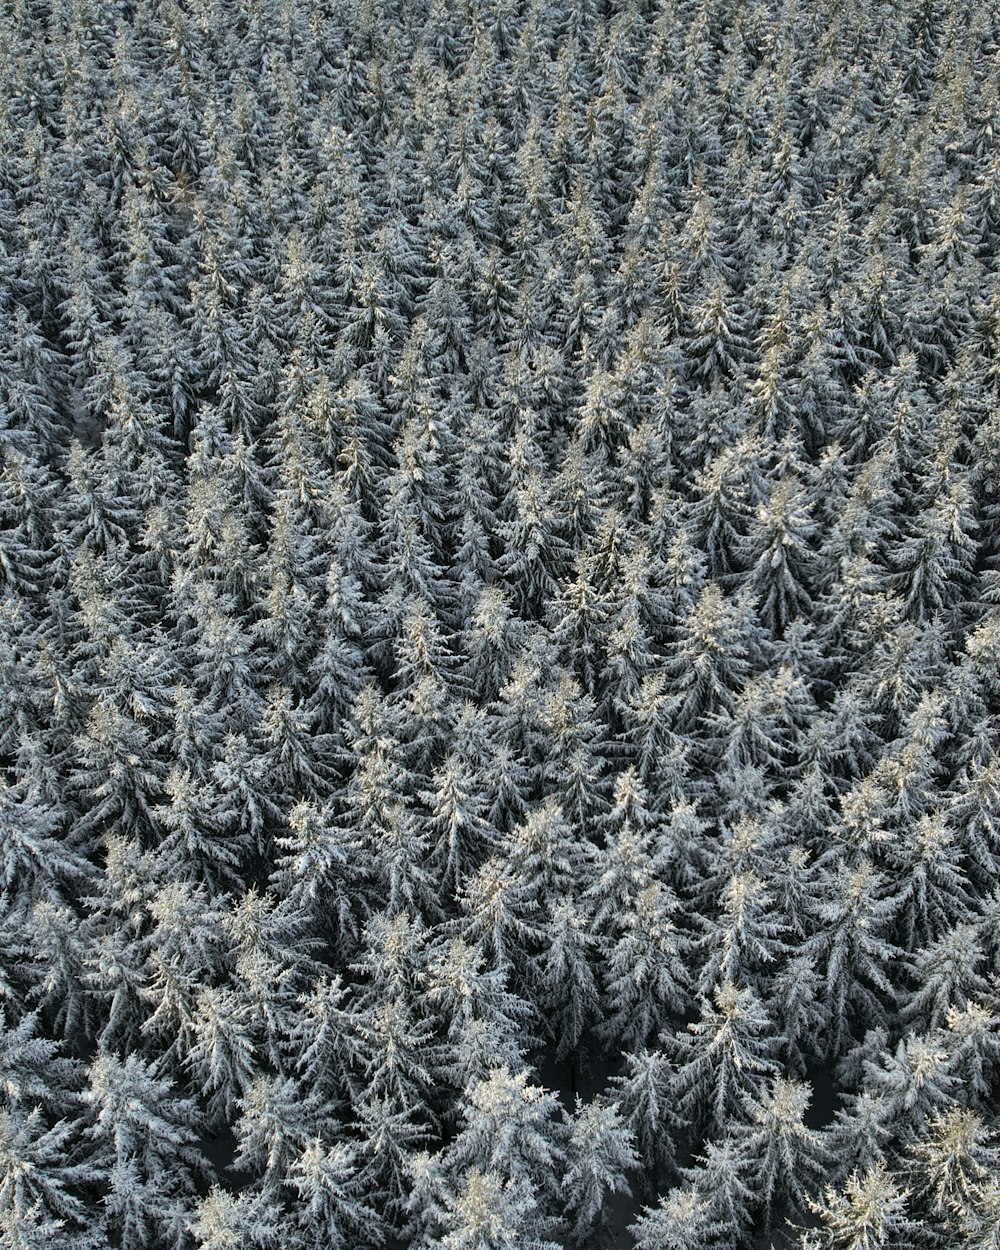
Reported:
(499, 624)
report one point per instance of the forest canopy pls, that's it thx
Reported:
(499, 624)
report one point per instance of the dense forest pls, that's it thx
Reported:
(500, 647)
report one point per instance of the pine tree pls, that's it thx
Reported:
(722, 1068)
(220, 1052)
(599, 1155)
(223, 1219)
(645, 981)
(710, 658)
(512, 1128)
(332, 1211)
(954, 1167)
(852, 950)
(681, 1220)
(779, 554)
(491, 1212)
(786, 1158)
(38, 1180)
(319, 874)
(145, 1149)
(457, 819)
(644, 1094)
(869, 1212)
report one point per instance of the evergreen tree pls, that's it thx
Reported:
(145, 1149)
(499, 566)
(599, 1154)
(870, 1211)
